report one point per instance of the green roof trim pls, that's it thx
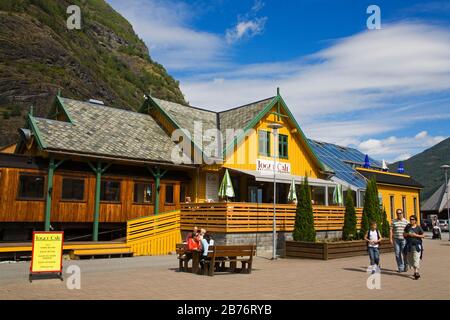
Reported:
(172, 122)
(250, 125)
(37, 133)
(291, 117)
(267, 108)
(61, 104)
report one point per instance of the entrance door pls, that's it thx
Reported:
(255, 194)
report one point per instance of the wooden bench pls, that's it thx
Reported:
(183, 258)
(229, 253)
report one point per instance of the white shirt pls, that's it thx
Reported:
(373, 235)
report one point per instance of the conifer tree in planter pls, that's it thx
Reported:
(385, 231)
(349, 231)
(304, 218)
(371, 210)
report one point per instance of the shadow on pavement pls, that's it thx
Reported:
(383, 271)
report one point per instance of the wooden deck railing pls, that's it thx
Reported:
(254, 217)
(154, 235)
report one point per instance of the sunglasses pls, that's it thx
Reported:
(412, 219)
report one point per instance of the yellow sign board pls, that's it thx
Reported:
(47, 251)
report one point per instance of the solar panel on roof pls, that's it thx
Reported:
(336, 156)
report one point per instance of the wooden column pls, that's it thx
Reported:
(48, 204)
(157, 175)
(98, 179)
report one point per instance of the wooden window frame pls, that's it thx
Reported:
(284, 143)
(73, 177)
(120, 190)
(25, 173)
(392, 205)
(152, 183)
(173, 194)
(268, 143)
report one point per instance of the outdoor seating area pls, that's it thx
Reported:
(220, 258)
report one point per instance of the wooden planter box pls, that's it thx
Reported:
(331, 250)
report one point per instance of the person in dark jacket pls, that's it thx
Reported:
(414, 248)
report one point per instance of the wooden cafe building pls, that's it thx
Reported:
(89, 169)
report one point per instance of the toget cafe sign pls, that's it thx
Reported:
(267, 166)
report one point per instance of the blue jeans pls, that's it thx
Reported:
(374, 255)
(399, 246)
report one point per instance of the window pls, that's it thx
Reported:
(392, 205)
(415, 205)
(264, 143)
(283, 146)
(72, 189)
(404, 206)
(31, 187)
(143, 192)
(183, 191)
(169, 193)
(110, 191)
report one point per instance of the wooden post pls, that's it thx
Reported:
(98, 180)
(157, 175)
(48, 203)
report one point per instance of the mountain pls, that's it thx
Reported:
(39, 55)
(425, 167)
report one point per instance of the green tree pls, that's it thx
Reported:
(385, 227)
(304, 218)
(371, 210)
(349, 231)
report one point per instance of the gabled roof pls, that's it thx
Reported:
(186, 116)
(104, 131)
(393, 179)
(437, 201)
(240, 117)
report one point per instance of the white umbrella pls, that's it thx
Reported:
(292, 196)
(337, 195)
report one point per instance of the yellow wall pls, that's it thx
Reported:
(301, 161)
(398, 193)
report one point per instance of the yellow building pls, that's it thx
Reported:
(248, 143)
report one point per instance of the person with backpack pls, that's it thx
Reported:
(414, 247)
(373, 239)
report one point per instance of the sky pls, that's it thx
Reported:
(384, 91)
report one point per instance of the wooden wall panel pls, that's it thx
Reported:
(14, 210)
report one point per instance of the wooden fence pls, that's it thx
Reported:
(154, 235)
(254, 217)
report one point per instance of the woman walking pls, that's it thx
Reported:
(414, 248)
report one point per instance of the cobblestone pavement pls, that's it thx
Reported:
(158, 278)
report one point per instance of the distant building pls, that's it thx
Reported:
(436, 204)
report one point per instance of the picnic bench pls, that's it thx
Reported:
(217, 258)
(220, 254)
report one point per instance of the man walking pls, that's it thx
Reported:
(398, 240)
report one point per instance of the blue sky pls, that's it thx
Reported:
(386, 92)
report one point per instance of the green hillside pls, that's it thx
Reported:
(104, 60)
(425, 167)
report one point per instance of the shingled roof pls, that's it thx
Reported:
(186, 116)
(239, 118)
(105, 131)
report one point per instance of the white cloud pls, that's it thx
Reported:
(398, 148)
(361, 86)
(165, 27)
(243, 29)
